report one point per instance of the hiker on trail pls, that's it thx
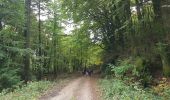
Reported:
(90, 72)
(87, 72)
(84, 72)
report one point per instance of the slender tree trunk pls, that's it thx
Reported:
(81, 59)
(50, 61)
(157, 9)
(54, 45)
(40, 44)
(138, 9)
(27, 33)
(0, 25)
(165, 8)
(166, 14)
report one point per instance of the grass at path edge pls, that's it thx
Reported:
(33, 90)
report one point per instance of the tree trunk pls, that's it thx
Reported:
(40, 50)
(157, 9)
(166, 14)
(166, 66)
(165, 5)
(0, 25)
(138, 9)
(26, 73)
(54, 45)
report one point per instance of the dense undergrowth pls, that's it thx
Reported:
(31, 91)
(130, 79)
(116, 89)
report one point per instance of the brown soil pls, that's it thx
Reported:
(82, 88)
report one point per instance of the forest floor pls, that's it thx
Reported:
(81, 88)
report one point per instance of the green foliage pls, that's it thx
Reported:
(132, 69)
(9, 78)
(102, 32)
(122, 68)
(10, 49)
(122, 27)
(164, 52)
(31, 91)
(141, 71)
(117, 90)
(166, 93)
(107, 69)
(139, 65)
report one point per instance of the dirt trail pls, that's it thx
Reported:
(83, 88)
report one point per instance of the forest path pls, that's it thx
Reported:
(82, 88)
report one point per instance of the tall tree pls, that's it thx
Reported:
(40, 41)
(165, 6)
(138, 9)
(55, 44)
(0, 25)
(27, 34)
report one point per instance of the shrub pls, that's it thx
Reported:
(122, 70)
(164, 51)
(136, 69)
(141, 71)
(139, 66)
(8, 78)
(123, 67)
(116, 89)
(107, 70)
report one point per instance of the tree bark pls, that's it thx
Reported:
(54, 45)
(40, 44)
(165, 8)
(138, 9)
(166, 14)
(0, 25)
(157, 9)
(27, 33)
